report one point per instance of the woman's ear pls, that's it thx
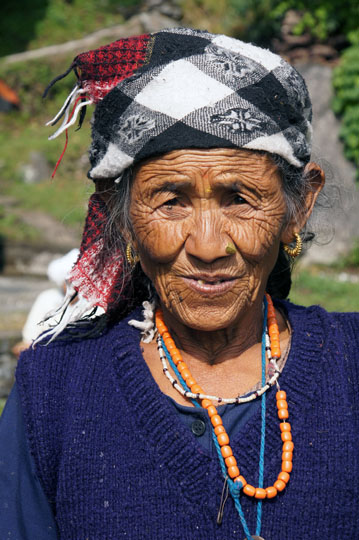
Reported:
(315, 179)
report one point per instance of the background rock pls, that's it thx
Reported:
(36, 170)
(338, 221)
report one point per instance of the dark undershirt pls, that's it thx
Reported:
(25, 513)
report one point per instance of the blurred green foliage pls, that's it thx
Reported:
(2, 405)
(29, 25)
(316, 286)
(29, 80)
(14, 227)
(64, 198)
(260, 21)
(18, 24)
(257, 21)
(346, 100)
(351, 260)
(323, 18)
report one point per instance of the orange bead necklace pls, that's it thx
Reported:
(273, 372)
(216, 420)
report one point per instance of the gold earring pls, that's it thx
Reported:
(230, 248)
(132, 258)
(294, 252)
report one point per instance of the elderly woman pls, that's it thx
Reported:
(202, 405)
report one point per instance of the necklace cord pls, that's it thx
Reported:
(263, 419)
(234, 487)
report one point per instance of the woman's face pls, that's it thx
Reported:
(189, 209)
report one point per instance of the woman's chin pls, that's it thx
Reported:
(202, 319)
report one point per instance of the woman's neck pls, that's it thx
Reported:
(225, 363)
(215, 347)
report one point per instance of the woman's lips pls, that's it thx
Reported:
(213, 287)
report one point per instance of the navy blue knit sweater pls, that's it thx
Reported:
(116, 461)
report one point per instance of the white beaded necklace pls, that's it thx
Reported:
(273, 372)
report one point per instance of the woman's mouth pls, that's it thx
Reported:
(213, 285)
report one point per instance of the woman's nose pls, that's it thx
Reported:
(206, 240)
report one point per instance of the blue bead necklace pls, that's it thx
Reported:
(234, 488)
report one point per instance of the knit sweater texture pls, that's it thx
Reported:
(115, 461)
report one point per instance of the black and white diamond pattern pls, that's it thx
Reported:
(218, 92)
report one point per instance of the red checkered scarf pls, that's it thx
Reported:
(98, 71)
(97, 277)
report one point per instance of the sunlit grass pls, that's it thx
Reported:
(64, 198)
(2, 405)
(315, 286)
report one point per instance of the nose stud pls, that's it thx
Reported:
(230, 248)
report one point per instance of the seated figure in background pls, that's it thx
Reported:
(47, 302)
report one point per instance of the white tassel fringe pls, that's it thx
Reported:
(67, 313)
(147, 326)
(66, 123)
(65, 105)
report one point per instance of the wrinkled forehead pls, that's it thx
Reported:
(189, 169)
(204, 159)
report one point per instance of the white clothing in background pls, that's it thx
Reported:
(45, 302)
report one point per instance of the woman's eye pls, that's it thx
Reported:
(170, 203)
(238, 199)
(174, 208)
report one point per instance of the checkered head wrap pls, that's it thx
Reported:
(201, 90)
(175, 89)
